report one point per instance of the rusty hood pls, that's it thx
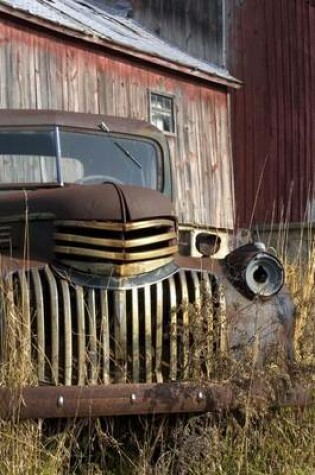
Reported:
(104, 202)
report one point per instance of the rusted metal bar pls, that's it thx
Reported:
(114, 400)
(136, 399)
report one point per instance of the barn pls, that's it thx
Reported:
(271, 48)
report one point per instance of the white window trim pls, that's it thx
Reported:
(168, 96)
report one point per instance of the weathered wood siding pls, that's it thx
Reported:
(271, 48)
(38, 70)
(194, 26)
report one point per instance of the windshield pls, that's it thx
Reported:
(31, 157)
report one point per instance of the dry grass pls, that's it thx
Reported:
(252, 440)
(21, 446)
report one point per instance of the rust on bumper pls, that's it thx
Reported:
(114, 400)
(137, 399)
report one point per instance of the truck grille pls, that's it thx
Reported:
(78, 335)
(122, 245)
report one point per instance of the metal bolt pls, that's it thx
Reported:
(133, 397)
(200, 396)
(60, 401)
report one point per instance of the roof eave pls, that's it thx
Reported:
(119, 48)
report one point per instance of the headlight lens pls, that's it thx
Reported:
(264, 275)
(254, 272)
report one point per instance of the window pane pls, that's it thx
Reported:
(90, 158)
(162, 112)
(27, 157)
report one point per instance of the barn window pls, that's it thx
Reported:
(162, 112)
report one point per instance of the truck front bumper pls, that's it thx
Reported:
(134, 399)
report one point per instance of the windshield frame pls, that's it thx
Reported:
(160, 185)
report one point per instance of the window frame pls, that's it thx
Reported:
(172, 98)
(58, 130)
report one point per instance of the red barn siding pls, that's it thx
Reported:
(39, 70)
(271, 47)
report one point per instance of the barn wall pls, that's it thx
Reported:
(196, 26)
(41, 71)
(271, 47)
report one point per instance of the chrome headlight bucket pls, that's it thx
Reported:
(254, 272)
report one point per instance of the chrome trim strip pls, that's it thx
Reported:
(153, 223)
(3, 323)
(40, 323)
(123, 274)
(195, 350)
(221, 323)
(10, 337)
(173, 329)
(148, 333)
(120, 335)
(207, 317)
(25, 316)
(82, 373)
(113, 282)
(105, 337)
(68, 345)
(135, 336)
(92, 345)
(118, 256)
(185, 317)
(119, 243)
(54, 325)
(159, 332)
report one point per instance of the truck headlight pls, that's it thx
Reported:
(207, 244)
(254, 272)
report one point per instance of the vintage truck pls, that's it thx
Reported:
(113, 318)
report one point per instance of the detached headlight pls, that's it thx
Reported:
(254, 272)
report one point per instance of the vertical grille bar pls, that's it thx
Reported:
(221, 320)
(3, 323)
(105, 337)
(25, 313)
(135, 336)
(54, 312)
(196, 326)
(148, 333)
(120, 332)
(10, 336)
(92, 356)
(185, 329)
(207, 315)
(10, 333)
(68, 347)
(81, 335)
(40, 323)
(173, 330)
(159, 332)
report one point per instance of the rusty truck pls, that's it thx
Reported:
(117, 315)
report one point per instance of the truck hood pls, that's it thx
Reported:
(104, 202)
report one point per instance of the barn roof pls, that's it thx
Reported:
(94, 22)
